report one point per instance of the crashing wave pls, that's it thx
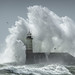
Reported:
(33, 70)
(51, 33)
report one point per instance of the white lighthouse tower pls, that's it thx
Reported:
(29, 47)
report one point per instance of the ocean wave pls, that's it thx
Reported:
(34, 70)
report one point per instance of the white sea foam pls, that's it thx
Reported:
(45, 70)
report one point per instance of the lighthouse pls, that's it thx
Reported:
(29, 47)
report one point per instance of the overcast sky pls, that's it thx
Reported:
(10, 9)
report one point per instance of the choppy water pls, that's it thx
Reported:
(36, 69)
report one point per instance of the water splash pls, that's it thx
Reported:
(51, 33)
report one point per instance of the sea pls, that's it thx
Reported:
(36, 69)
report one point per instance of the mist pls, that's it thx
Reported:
(50, 32)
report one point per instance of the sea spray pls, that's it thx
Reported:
(50, 33)
(15, 45)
